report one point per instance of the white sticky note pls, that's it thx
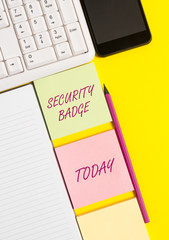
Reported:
(34, 204)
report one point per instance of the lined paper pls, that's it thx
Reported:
(33, 200)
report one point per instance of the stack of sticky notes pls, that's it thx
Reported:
(93, 167)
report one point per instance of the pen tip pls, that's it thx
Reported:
(105, 90)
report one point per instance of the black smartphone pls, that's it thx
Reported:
(116, 25)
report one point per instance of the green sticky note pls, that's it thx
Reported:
(72, 101)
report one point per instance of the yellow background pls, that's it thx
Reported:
(138, 81)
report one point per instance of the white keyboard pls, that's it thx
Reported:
(39, 38)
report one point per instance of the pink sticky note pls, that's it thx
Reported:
(94, 169)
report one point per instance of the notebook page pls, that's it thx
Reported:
(33, 200)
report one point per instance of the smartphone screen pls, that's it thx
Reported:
(114, 19)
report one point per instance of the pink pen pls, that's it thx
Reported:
(126, 156)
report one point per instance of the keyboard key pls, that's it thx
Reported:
(27, 45)
(38, 25)
(53, 20)
(76, 38)
(18, 14)
(33, 9)
(40, 58)
(43, 40)
(58, 35)
(23, 30)
(49, 6)
(14, 66)
(27, 1)
(67, 11)
(3, 72)
(14, 3)
(3, 19)
(1, 56)
(1, 6)
(63, 50)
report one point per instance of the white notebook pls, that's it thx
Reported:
(34, 204)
